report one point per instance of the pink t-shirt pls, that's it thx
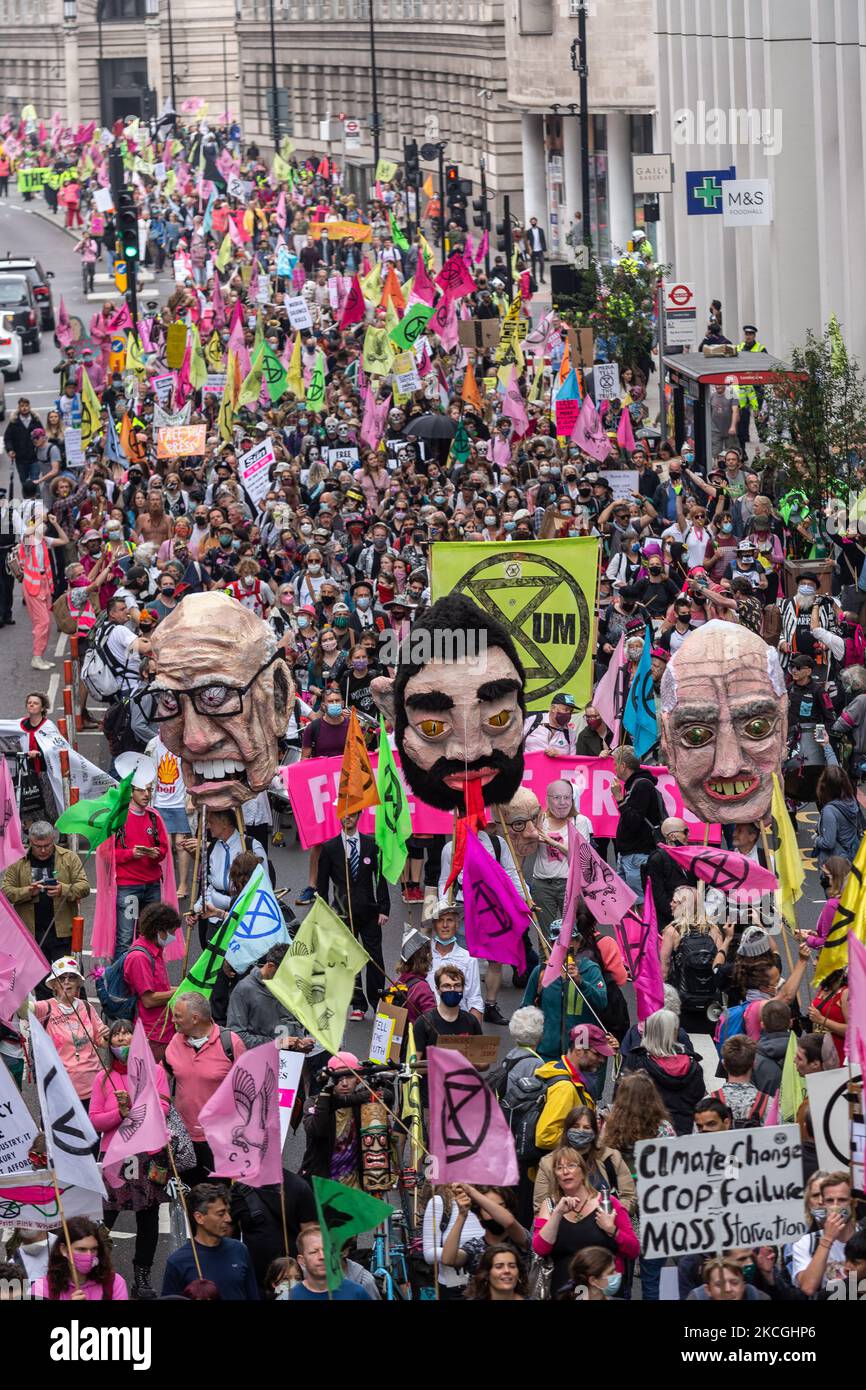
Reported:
(76, 1036)
(198, 1072)
(92, 1292)
(142, 976)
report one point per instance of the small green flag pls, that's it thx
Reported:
(99, 819)
(206, 971)
(460, 445)
(275, 376)
(411, 326)
(344, 1212)
(393, 821)
(316, 976)
(251, 386)
(316, 390)
(397, 236)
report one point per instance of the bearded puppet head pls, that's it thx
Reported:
(724, 722)
(457, 706)
(223, 696)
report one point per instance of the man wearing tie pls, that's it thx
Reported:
(225, 847)
(354, 859)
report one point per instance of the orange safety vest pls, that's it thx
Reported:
(32, 576)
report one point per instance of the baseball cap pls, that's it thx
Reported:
(341, 1061)
(589, 1035)
(563, 699)
(802, 662)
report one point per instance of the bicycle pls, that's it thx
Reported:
(389, 1265)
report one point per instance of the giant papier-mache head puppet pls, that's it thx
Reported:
(223, 695)
(724, 722)
(457, 719)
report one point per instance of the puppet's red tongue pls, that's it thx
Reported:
(474, 819)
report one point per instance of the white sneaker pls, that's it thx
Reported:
(40, 664)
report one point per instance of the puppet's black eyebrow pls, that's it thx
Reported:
(433, 701)
(494, 690)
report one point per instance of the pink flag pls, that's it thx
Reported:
(219, 308)
(723, 868)
(606, 895)
(280, 212)
(373, 423)
(856, 1035)
(640, 947)
(588, 432)
(11, 844)
(482, 248)
(63, 330)
(120, 320)
(241, 1120)
(444, 322)
(22, 964)
(143, 1129)
(608, 697)
(496, 914)
(423, 287)
(354, 308)
(105, 914)
(556, 960)
(624, 432)
(469, 1136)
(467, 250)
(454, 278)
(234, 234)
(513, 406)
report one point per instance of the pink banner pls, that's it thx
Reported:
(312, 789)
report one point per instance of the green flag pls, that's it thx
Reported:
(97, 820)
(397, 236)
(316, 977)
(206, 971)
(377, 354)
(407, 332)
(251, 386)
(393, 821)
(460, 446)
(316, 390)
(275, 375)
(344, 1212)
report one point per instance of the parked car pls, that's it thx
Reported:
(11, 349)
(16, 298)
(39, 283)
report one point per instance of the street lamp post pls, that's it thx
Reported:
(151, 10)
(580, 66)
(374, 84)
(275, 120)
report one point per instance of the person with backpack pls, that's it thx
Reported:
(692, 948)
(748, 1105)
(772, 1046)
(566, 1082)
(641, 812)
(139, 849)
(678, 1077)
(146, 976)
(73, 1025)
(199, 1057)
(513, 1083)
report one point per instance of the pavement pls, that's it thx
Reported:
(32, 230)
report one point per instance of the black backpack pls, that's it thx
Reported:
(117, 727)
(525, 1112)
(693, 970)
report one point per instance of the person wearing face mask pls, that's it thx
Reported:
(327, 667)
(73, 1025)
(166, 600)
(109, 1107)
(250, 590)
(657, 591)
(146, 975)
(552, 735)
(494, 1208)
(446, 951)
(90, 1253)
(606, 1168)
(566, 1080)
(624, 567)
(801, 617)
(662, 873)
(672, 638)
(312, 577)
(357, 683)
(613, 623)
(365, 618)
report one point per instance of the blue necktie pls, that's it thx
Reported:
(354, 858)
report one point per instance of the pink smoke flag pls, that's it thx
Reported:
(354, 308)
(241, 1120)
(422, 287)
(469, 1136)
(639, 941)
(63, 330)
(22, 964)
(142, 1130)
(496, 915)
(559, 951)
(588, 433)
(513, 406)
(281, 211)
(607, 896)
(723, 868)
(856, 1035)
(467, 250)
(444, 322)
(608, 697)
(11, 844)
(373, 423)
(624, 432)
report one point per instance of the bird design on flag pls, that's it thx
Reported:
(134, 1118)
(595, 882)
(255, 1107)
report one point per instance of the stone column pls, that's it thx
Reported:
(70, 63)
(534, 173)
(619, 180)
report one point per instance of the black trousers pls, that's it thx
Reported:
(536, 258)
(146, 1233)
(7, 590)
(369, 933)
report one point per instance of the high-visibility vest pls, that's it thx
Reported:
(32, 576)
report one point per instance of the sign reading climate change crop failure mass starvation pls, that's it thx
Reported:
(544, 594)
(716, 1192)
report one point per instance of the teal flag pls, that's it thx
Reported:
(639, 715)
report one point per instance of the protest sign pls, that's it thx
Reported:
(605, 381)
(254, 470)
(544, 594)
(336, 230)
(29, 1200)
(214, 384)
(74, 450)
(406, 373)
(566, 413)
(103, 200)
(299, 313)
(235, 186)
(343, 457)
(481, 334)
(175, 345)
(712, 1192)
(17, 1126)
(389, 1026)
(312, 787)
(290, 1068)
(181, 441)
(623, 482)
(479, 1049)
(31, 180)
(832, 1123)
(162, 387)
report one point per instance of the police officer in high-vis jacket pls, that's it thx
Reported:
(750, 398)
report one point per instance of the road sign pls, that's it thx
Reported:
(351, 135)
(681, 314)
(431, 128)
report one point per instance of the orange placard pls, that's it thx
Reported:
(337, 230)
(180, 441)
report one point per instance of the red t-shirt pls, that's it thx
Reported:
(142, 828)
(142, 976)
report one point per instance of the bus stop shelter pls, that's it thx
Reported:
(695, 377)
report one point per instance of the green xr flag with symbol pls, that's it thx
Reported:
(275, 375)
(393, 821)
(344, 1212)
(99, 819)
(206, 971)
(411, 326)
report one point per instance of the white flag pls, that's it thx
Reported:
(69, 1135)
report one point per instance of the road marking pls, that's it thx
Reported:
(62, 642)
(53, 686)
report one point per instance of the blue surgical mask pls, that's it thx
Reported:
(451, 997)
(303, 622)
(508, 525)
(613, 1284)
(362, 603)
(727, 528)
(334, 711)
(439, 499)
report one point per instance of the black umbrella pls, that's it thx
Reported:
(437, 432)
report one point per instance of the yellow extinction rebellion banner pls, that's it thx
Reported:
(544, 593)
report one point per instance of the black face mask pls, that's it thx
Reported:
(495, 1228)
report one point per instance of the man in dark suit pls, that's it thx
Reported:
(537, 244)
(353, 859)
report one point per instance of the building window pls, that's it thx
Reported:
(536, 16)
(114, 11)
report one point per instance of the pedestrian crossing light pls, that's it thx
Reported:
(127, 226)
(120, 276)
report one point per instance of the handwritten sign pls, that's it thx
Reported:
(181, 441)
(480, 1049)
(298, 311)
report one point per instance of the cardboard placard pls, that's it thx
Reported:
(581, 341)
(389, 1027)
(481, 334)
(480, 1049)
(181, 441)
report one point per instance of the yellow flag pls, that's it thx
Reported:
(316, 977)
(295, 373)
(197, 363)
(281, 171)
(410, 1113)
(224, 253)
(426, 251)
(537, 380)
(792, 1088)
(170, 181)
(789, 863)
(91, 411)
(377, 354)
(392, 318)
(287, 147)
(850, 916)
(213, 353)
(371, 285)
(227, 404)
(251, 386)
(135, 356)
(385, 171)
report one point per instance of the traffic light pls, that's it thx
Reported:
(482, 216)
(127, 227)
(148, 103)
(455, 196)
(503, 237)
(411, 165)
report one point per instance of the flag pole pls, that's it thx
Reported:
(283, 1211)
(197, 888)
(785, 928)
(66, 1238)
(239, 821)
(179, 1187)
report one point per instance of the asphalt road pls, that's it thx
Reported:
(22, 231)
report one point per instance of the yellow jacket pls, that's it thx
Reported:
(562, 1096)
(69, 873)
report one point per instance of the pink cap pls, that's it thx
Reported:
(342, 1061)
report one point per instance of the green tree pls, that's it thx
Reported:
(617, 301)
